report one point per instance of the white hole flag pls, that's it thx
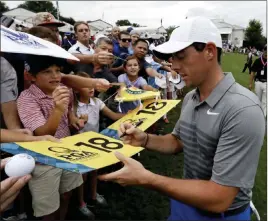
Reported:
(23, 43)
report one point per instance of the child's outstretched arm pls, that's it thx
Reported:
(148, 88)
(77, 82)
(8, 136)
(152, 73)
(111, 114)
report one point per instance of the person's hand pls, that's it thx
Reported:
(134, 137)
(164, 63)
(24, 131)
(61, 96)
(78, 124)
(159, 76)
(133, 172)
(84, 117)
(174, 74)
(180, 92)
(101, 85)
(250, 87)
(10, 188)
(70, 61)
(46, 138)
(3, 162)
(104, 58)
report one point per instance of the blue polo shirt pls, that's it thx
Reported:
(116, 50)
(123, 54)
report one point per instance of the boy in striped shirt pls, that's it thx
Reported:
(45, 108)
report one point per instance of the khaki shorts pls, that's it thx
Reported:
(47, 184)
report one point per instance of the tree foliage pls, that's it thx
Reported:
(253, 34)
(170, 30)
(124, 22)
(135, 25)
(45, 6)
(39, 6)
(3, 7)
(69, 20)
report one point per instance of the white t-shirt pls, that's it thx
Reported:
(92, 110)
(79, 48)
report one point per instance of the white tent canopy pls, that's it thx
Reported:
(24, 16)
(21, 14)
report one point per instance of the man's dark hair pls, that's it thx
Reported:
(131, 57)
(201, 46)
(123, 33)
(141, 40)
(80, 23)
(43, 32)
(104, 39)
(38, 63)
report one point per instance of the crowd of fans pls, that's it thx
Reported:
(45, 98)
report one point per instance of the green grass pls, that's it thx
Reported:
(134, 203)
(234, 63)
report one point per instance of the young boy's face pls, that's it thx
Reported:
(48, 79)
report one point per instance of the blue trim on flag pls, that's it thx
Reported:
(110, 133)
(13, 148)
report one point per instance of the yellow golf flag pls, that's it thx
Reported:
(89, 149)
(134, 94)
(149, 114)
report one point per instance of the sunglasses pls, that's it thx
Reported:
(81, 30)
(126, 40)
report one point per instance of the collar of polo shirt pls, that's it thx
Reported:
(78, 43)
(38, 92)
(91, 102)
(219, 91)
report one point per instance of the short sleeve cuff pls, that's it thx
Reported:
(175, 134)
(102, 105)
(228, 182)
(7, 96)
(35, 125)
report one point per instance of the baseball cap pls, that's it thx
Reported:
(129, 29)
(197, 29)
(134, 32)
(45, 18)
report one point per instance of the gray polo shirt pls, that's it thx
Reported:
(222, 137)
(9, 89)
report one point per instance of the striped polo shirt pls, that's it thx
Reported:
(222, 137)
(35, 107)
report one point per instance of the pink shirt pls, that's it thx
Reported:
(35, 107)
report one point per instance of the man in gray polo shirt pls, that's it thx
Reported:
(9, 93)
(220, 131)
